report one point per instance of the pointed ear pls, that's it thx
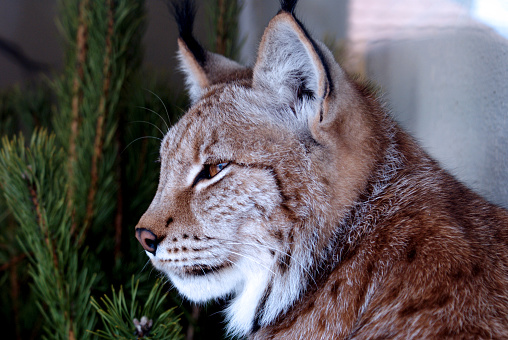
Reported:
(290, 64)
(207, 69)
(201, 68)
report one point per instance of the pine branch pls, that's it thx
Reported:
(81, 52)
(99, 130)
(34, 188)
(51, 192)
(113, 54)
(40, 221)
(223, 35)
(220, 44)
(120, 316)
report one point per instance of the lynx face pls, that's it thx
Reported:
(219, 204)
(288, 189)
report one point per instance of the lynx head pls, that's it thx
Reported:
(257, 174)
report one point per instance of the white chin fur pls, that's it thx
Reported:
(242, 309)
(207, 287)
(246, 281)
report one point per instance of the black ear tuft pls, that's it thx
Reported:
(184, 12)
(288, 5)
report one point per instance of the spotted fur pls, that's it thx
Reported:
(322, 219)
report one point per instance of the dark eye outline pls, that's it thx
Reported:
(209, 171)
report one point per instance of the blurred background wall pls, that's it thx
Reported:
(441, 64)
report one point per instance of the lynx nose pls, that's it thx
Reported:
(147, 239)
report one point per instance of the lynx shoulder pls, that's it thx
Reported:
(287, 189)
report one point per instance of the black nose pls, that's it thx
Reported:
(147, 239)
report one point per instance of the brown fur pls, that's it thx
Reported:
(434, 268)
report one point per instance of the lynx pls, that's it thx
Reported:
(288, 189)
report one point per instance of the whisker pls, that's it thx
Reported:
(145, 137)
(167, 113)
(146, 264)
(144, 121)
(150, 110)
(151, 271)
(251, 259)
(276, 250)
(201, 267)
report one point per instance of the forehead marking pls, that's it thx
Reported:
(178, 137)
(213, 139)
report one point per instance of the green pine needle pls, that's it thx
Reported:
(34, 189)
(118, 315)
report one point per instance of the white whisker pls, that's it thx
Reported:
(145, 108)
(165, 108)
(144, 121)
(255, 245)
(145, 137)
(146, 264)
(251, 259)
(276, 250)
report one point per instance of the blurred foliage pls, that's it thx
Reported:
(79, 166)
(73, 191)
(223, 27)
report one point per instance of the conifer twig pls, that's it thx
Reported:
(148, 320)
(81, 51)
(13, 262)
(99, 130)
(224, 27)
(71, 329)
(42, 224)
(221, 36)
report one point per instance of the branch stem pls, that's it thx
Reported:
(99, 129)
(77, 94)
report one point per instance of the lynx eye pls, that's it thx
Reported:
(214, 169)
(209, 171)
